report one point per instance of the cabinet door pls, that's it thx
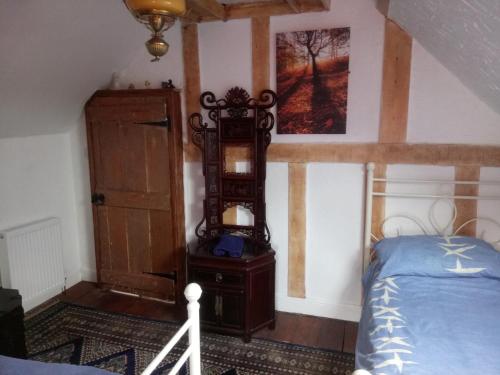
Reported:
(208, 306)
(232, 308)
(132, 182)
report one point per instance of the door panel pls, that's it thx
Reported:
(208, 314)
(232, 307)
(131, 168)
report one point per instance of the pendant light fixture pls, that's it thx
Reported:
(158, 16)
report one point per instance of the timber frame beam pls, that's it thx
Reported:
(384, 153)
(212, 10)
(209, 7)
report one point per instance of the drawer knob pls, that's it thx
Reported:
(218, 277)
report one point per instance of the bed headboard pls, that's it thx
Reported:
(434, 228)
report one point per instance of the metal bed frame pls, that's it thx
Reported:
(192, 326)
(371, 179)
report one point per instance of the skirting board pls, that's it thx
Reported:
(318, 307)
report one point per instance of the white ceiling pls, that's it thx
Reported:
(464, 35)
(54, 54)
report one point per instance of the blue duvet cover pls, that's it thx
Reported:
(14, 366)
(432, 306)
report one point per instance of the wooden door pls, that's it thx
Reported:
(133, 168)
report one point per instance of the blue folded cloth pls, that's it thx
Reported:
(230, 245)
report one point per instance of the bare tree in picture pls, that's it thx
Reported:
(314, 41)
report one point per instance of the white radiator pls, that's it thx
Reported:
(31, 261)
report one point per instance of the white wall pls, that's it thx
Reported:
(48, 175)
(37, 182)
(439, 105)
(80, 177)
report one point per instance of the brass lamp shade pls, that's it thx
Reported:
(158, 16)
(145, 8)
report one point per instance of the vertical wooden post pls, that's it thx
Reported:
(297, 177)
(191, 58)
(466, 209)
(395, 84)
(260, 54)
(378, 205)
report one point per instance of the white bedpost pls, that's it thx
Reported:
(193, 294)
(370, 167)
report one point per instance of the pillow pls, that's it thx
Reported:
(437, 256)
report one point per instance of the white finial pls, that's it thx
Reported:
(192, 292)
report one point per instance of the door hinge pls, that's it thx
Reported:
(166, 275)
(165, 123)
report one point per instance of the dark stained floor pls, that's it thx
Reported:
(292, 328)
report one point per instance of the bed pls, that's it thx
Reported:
(431, 301)
(14, 366)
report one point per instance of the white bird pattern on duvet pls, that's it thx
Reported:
(384, 297)
(389, 326)
(390, 314)
(390, 281)
(396, 361)
(460, 269)
(386, 310)
(392, 340)
(458, 252)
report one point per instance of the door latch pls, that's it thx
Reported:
(98, 199)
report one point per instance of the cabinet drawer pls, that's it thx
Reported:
(216, 277)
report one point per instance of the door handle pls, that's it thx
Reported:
(165, 123)
(98, 199)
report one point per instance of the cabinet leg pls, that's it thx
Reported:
(272, 325)
(247, 338)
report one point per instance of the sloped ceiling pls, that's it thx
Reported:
(54, 54)
(464, 35)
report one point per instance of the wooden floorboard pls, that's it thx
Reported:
(296, 329)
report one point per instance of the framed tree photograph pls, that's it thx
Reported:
(312, 71)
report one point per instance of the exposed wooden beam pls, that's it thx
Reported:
(466, 209)
(293, 5)
(326, 4)
(191, 59)
(378, 203)
(297, 176)
(425, 154)
(395, 84)
(260, 54)
(210, 8)
(271, 8)
(383, 7)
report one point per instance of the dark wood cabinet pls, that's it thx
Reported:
(12, 341)
(238, 293)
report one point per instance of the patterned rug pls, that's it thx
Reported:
(124, 344)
